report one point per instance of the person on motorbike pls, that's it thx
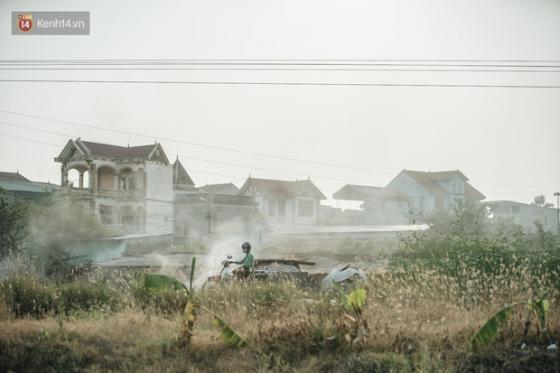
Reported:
(247, 263)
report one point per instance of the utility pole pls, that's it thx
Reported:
(557, 195)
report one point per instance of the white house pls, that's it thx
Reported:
(430, 191)
(524, 214)
(285, 204)
(127, 186)
(411, 194)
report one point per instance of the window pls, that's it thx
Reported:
(282, 207)
(106, 214)
(305, 208)
(270, 207)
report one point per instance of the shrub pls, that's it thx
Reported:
(26, 296)
(161, 302)
(76, 297)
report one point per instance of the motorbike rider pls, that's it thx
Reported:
(247, 263)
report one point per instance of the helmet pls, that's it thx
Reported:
(246, 246)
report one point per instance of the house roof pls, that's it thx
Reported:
(27, 189)
(12, 176)
(354, 192)
(282, 187)
(473, 193)
(428, 180)
(220, 188)
(515, 203)
(97, 149)
(115, 151)
(180, 175)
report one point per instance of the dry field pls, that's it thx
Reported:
(416, 320)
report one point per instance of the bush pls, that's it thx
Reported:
(88, 297)
(160, 302)
(28, 297)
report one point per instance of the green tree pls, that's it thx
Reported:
(13, 224)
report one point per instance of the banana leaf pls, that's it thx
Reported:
(230, 336)
(158, 282)
(356, 299)
(491, 328)
(540, 308)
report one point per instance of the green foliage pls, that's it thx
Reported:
(356, 300)
(540, 309)
(159, 282)
(13, 224)
(491, 327)
(489, 331)
(26, 296)
(160, 293)
(465, 246)
(230, 337)
(76, 297)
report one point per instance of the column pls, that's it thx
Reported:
(63, 175)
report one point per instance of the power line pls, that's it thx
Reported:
(278, 83)
(467, 60)
(176, 141)
(224, 149)
(194, 158)
(243, 177)
(66, 69)
(58, 146)
(298, 62)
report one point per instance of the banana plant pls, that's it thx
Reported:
(489, 331)
(161, 283)
(354, 303)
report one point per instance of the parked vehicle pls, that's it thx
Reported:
(266, 269)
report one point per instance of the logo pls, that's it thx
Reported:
(25, 22)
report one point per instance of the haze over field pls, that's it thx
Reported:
(503, 139)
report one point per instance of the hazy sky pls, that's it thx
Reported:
(504, 139)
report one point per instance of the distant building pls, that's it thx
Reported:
(127, 186)
(329, 215)
(15, 184)
(201, 215)
(524, 214)
(285, 204)
(227, 189)
(429, 191)
(182, 182)
(380, 205)
(411, 195)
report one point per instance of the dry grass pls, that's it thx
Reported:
(417, 321)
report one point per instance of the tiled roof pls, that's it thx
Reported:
(428, 180)
(115, 151)
(362, 192)
(473, 193)
(283, 187)
(180, 175)
(217, 188)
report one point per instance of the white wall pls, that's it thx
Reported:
(526, 215)
(410, 187)
(159, 198)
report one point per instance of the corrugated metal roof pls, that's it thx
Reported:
(28, 186)
(12, 176)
